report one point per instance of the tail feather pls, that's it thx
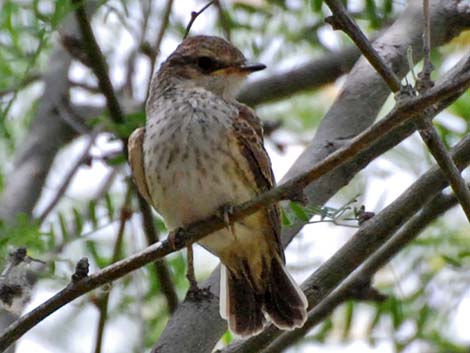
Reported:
(240, 304)
(245, 306)
(284, 302)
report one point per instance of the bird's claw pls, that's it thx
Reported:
(224, 213)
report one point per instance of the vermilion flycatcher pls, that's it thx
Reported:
(201, 150)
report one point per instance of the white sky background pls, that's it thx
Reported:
(383, 181)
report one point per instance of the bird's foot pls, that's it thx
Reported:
(172, 238)
(224, 213)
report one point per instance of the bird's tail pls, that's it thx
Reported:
(245, 304)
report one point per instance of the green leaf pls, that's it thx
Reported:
(78, 221)
(116, 160)
(348, 318)
(109, 206)
(227, 338)
(316, 5)
(63, 226)
(95, 253)
(299, 211)
(160, 225)
(285, 218)
(371, 11)
(396, 312)
(132, 122)
(452, 261)
(92, 213)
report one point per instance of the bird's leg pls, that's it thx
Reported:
(190, 274)
(172, 237)
(224, 213)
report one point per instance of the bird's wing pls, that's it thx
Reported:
(249, 134)
(136, 161)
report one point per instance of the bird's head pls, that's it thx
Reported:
(208, 62)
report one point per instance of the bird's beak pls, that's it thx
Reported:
(252, 67)
(243, 69)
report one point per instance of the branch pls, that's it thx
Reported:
(368, 239)
(432, 139)
(428, 67)
(427, 131)
(32, 78)
(433, 209)
(341, 20)
(83, 158)
(103, 301)
(161, 267)
(155, 51)
(310, 75)
(197, 230)
(195, 15)
(97, 62)
(223, 20)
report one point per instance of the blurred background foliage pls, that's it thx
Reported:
(427, 285)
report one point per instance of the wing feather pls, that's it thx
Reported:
(249, 133)
(136, 161)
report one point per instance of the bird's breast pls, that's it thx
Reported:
(192, 162)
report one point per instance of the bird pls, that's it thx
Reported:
(201, 151)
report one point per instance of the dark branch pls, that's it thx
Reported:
(341, 20)
(97, 62)
(103, 300)
(161, 266)
(82, 159)
(427, 130)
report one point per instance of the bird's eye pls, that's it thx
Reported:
(205, 63)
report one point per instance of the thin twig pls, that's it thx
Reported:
(84, 157)
(197, 230)
(161, 266)
(194, 15)
(103, 301)
(155, 52)
(428, 67)
(427, 130)
(106, 184)
(85, 86)
(341, 20)
(25, 82)
(97, 62)
(223, 20)
(433, 141)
